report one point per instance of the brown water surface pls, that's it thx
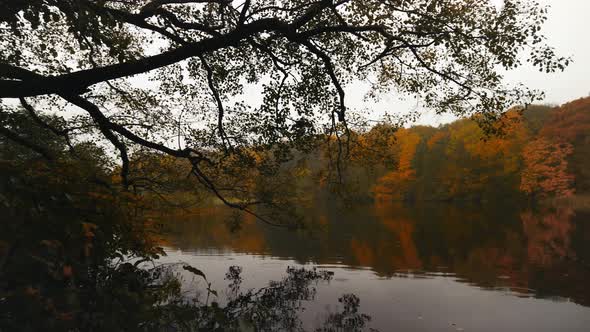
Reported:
(427, 267)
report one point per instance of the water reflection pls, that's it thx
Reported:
(535, 253)
(277, 306)
(548, 235)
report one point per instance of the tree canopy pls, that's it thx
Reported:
(172, 76)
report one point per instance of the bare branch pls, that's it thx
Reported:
(244, 11)
(330, 69)
(207, 183)
(77, 82)
(220, 109)
(25, 142)
(58, 132)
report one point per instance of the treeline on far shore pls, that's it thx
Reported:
(539, 153)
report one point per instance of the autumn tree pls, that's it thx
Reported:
(571, 123)
(171, 76)
(545, 170)
(477, 162)
(556, 162)
(396, 183)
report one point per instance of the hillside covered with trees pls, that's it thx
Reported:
(541, 152)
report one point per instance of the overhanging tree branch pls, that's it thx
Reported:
(26, 143)
(220, 109)
(78, 82)
(58, 132)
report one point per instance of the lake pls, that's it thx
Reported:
(424, 267)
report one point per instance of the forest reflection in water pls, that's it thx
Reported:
(473, 267)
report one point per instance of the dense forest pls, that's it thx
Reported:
(537, 153)
(540, 152)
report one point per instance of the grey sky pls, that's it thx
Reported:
(567, 29)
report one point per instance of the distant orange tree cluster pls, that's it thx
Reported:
(541, 152)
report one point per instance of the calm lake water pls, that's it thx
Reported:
(427, 267)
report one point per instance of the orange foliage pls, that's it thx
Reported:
(571, 121)
(496, 152)
(545, 168)
(394, 185)
(436, 138)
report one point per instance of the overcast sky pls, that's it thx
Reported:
(567, 29)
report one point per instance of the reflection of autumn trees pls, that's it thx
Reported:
(548, 235)
(362, 252)
(402, 228)
(486, 245)
(396, 249)
(213, 227)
